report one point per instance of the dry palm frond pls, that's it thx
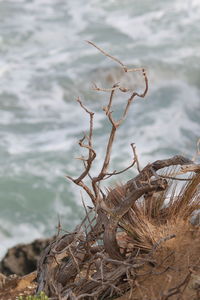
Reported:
(151, 218)
(190, 199)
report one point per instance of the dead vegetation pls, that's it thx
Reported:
(136, 242)
(13, 286)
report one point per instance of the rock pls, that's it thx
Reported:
(22, 259)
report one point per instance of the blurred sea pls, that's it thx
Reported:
(45, 64)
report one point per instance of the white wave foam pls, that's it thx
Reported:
(23, 233)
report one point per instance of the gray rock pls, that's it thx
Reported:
(22, 259)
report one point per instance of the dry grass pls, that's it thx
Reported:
(151, 219)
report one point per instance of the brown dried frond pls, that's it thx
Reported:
(189, 199)
(153, 216)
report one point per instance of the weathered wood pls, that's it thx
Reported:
(83, 264)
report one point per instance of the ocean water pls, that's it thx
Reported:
(45, 64)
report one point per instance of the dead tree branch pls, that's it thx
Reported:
(117, 244)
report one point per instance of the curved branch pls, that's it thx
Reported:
(108, 55)
(84, 186)
(150, 170)
(118, 212)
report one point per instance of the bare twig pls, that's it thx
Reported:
(176, 290)
(175, 178)
(120, 172)
(108, 55)
(136, 157)
(84, 186)
(115, 125)
(96, 88)
(82, 296)
(124, 67)
(92, 153)
(86, 212)
(162, 240)
(127, 168)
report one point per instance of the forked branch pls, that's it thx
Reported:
(115, 124)
(86, 142)
(91, 155)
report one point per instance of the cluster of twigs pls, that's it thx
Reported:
(119, 236)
